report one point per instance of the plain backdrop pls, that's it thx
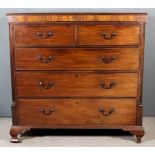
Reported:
(149, 65)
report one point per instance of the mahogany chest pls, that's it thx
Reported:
(77, 71)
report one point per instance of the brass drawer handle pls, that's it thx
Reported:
(44, 59)
(107, 86)
(45, 35)
(46, 111)
(47, 85)
(108, 60)
(106, 113)
(108, 37)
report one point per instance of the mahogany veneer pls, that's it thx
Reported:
(77, 111)
(77, 71)
(77, 59)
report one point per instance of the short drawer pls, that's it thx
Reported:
(44, 35)
(108, 35)
(77, 111)
(76, 59)
(76, 84)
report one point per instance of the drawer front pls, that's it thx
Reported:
(76, 59)
(76, 84)
(108, 35)
(77, 111)
(44, 35)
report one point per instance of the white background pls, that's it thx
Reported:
(77, 4)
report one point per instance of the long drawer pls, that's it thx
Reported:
(77, 111)
(76, 84)
(76, 59)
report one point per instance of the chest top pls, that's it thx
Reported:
(71, 17)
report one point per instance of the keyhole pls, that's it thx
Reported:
(76, 76)
(76, 102)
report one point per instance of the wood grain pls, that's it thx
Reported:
(92, 35)
(28, 35)
(76, 84)
(76, 59)
(52, 17)
(77, 111)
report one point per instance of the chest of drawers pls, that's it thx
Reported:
(77, 71)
